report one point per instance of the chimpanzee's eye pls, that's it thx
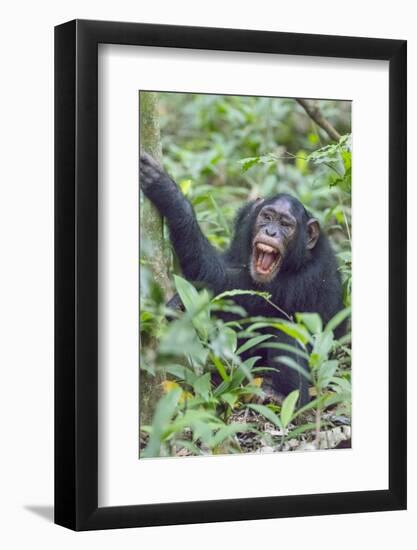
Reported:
(267, 217)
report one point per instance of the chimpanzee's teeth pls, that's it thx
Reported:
(265, 248)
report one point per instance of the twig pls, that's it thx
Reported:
(315, 114)
(271, 303)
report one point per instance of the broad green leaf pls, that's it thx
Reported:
(253, 342)
(194, 449)
(228, 431)
(288, 407)
(311, 320)
(202, 431)
(338, 319)
(220, 367)
(179, 339)
(267, 413)
(314, 404)
(202, 385)
(252, 390)
(190, 419)
(229, 398)
(248, 162)
(346, 339)
(221, 388)
(165, 410)
(326, 372)
(322, 346)
(181, 372)
(311, 426)
(225, 343)
(230, 339)
(247, 365)
(292, 363)
(187, 292)
(296, 331)
(286, 347)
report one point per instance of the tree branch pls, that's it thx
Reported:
(313, 111)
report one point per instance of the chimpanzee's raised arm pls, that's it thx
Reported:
(199, 260)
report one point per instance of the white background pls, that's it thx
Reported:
(122, 478)
(26, 302)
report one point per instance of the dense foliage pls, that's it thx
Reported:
(223, 150)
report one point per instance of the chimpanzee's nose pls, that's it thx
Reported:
(271, 231)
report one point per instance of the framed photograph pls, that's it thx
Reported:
(230, 255)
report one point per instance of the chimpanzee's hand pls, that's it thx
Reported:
(163, 191)
(153, 179)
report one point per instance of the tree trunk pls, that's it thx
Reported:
(151, 221)
(151, 227)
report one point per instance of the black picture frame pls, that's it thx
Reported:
(76, 272)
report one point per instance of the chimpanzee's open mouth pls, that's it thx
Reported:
(266, 259)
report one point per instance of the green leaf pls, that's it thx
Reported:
(310, 320)
(298, 332)
(227, 431)
(267, 413)
(347, 160)
(196, 305)
(322, 346)
(189, 446)
(202, 385)
(222, 388)
(220, 367)
(252, 390)
(180, 338)
(288, 407)
(286, 347)
(252, 342)
(230, 339)
(202, 431)
(248, 162)
(181, 372)
(326, 373)
(302, 429)
(346, 339)
(229, 398)
(314, 404)
(187, 292)
(225, 343)
(292, 363)
(165, 410)
(247, 366)
(338, 319)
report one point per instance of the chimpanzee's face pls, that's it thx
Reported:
(276, 231)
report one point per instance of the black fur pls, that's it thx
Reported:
(308, 280)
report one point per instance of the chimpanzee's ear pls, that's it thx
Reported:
(313, 231)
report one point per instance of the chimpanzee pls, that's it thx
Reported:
(277, 248)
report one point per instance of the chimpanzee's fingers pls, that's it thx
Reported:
(147, 160)
(149, 169)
